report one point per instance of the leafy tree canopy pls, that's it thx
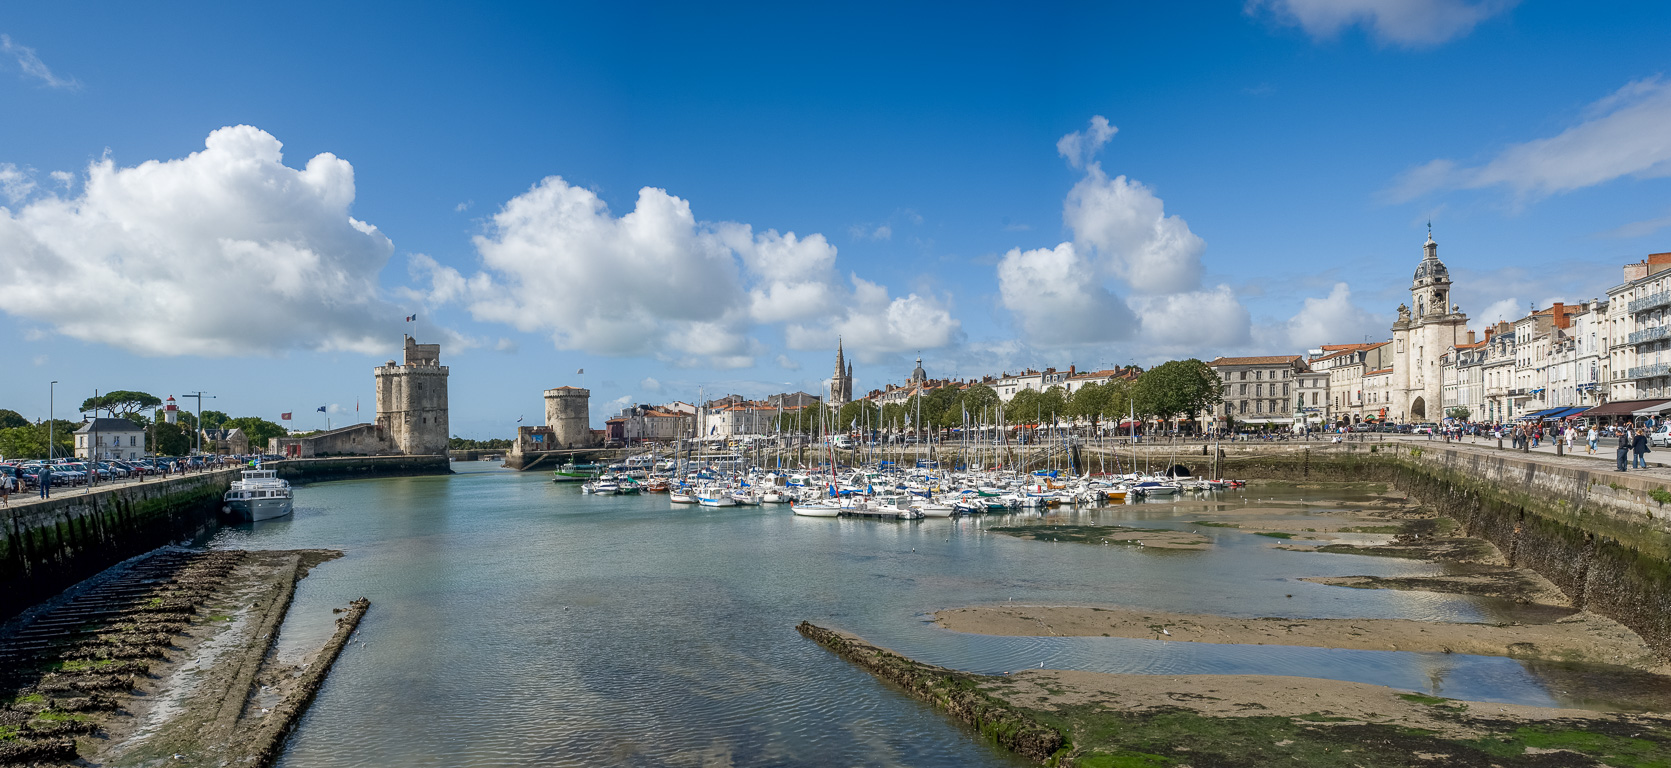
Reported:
(1176, 388)
(121, 403)
(10, 419)
(258, 430)
(170, 439)
(215, 419)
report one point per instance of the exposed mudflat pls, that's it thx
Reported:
(1518, 584)
(1577, 637)
(1108, 535)
(1100, 719)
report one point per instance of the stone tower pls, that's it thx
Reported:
(1426, 327)
(841, 384)
(568, 414)
(412, 400)
(918, 375)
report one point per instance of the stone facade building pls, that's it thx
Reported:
(1258, 390)
(106, 439)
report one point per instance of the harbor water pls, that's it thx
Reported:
(516, 621)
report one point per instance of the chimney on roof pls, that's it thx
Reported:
(1070, 370)
(1470, 337)
(1558, 314)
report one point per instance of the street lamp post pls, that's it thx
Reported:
(51, 403)
(199, 396)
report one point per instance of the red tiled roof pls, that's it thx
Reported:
(1268, 360)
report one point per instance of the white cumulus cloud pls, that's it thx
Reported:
(224, 252)
(1122, 237)
(1080, 146)
(1410, 23)
(874, 325)
(657, 281)
(1623, 135)
(1193, 320)
(1332, 319)
(559, 262)
(1059, 298)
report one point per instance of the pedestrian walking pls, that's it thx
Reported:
(1624, 449)
(1567, 432)
(45, 479)
(1639, 444)
(1592, 439)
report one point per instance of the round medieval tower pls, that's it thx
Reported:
(412, 401)
(568, 414)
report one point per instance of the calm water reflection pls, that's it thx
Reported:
(517, 622)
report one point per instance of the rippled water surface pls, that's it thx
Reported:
(517, 622)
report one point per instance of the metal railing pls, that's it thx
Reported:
(1649, 371)
(1654, 301)
(1649, 334)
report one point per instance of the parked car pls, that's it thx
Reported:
(1661, 436)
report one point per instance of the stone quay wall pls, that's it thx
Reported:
(1601, 536)
(46, 546)
(299, 471)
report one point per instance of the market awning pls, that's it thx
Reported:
(1567, 413)
(1652, 410)
(1539, 415)
(1625, 407)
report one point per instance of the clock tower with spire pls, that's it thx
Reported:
(1426, 328)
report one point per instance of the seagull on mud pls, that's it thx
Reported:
(1164, 632)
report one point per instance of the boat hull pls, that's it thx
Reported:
(811, 511)
(253, 510)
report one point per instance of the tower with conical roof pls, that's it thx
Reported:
(1426, 327)
(918, 376)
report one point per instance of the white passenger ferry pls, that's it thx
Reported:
(260, 495)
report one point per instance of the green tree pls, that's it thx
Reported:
(1177, 388)
(981, 401)
(215, 419)
(120, 403)
(1116, 400)
(10, 419)
(1460, 413)
(1087, 403)
(170, 439)
(25, 442)
(942, 407)
(258, 430)
(1053, 404)
(1023, 407)
(850, 414)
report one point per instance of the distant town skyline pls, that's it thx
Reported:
(258, 206)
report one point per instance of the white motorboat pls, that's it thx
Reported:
(934, 509)
(816, 509)
(260, 495)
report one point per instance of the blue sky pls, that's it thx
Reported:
(615, 188)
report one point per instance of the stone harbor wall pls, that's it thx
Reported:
(46, 546)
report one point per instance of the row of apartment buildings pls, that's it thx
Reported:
(1563, 356)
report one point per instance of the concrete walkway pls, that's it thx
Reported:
(33, 495)
(1602, 461)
